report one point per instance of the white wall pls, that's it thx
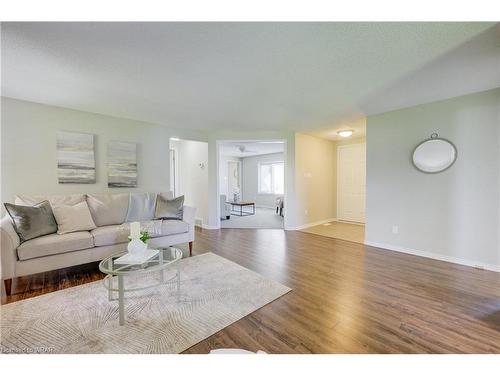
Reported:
(315, 180)
(453, 215)
(28, 151)
(250, 179)
(192, 178)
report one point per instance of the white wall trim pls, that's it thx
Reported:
(209, 227)
(428, 254)
(308, 225)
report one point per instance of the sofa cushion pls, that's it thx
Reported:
(32, 221)
(110, 235)
(55, 200)
(160, 228)
(169, 227)
(55, 244)
(108, 209)
(141, 207)
(73, 218)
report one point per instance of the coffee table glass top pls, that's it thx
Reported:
(165, 257)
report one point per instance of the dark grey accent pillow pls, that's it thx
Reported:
(169, 209)
(32, 221)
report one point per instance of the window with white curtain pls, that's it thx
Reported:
(272, 178)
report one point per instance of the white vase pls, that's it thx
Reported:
(136, 247)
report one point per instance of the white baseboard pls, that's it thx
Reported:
(444, 258)
(209, 227)
(308, 225)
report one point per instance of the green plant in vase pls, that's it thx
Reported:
(144, 237)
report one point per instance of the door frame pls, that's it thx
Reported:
(219, 142)
(339, 148)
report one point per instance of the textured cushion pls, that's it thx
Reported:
(169, 208)
(167, 194)
(32, 221)
(141, 207)
(169, 227)
(55, 200)
(110, 235)
(153, 227)
(73, 218)
(108, 209)
(54, 244)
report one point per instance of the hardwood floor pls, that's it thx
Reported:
(346, 298)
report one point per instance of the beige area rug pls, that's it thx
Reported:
(215, 293)
(340, 230)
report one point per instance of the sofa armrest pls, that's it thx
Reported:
(188, 215)
(9, 241)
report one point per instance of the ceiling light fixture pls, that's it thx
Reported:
(345, 133)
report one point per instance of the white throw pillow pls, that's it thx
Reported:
(73, 218)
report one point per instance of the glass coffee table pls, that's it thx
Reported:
(164, 260)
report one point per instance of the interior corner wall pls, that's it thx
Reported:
(315, 180)
(250, 179)
(28, 140)
(453, 215)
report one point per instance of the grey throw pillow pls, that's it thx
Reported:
(169, 209)
(141, 207)
(32, 221)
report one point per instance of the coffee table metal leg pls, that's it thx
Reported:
(121, 307)
(178, 284)
(110, 286)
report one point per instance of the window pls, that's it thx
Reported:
(272, 178)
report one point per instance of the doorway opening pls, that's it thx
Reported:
(188, 167)
(252, 184)
(350, 194)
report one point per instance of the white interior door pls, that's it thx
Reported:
(351, 186)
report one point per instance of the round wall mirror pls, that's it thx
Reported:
(434, 155)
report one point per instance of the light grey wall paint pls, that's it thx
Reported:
(250, 179)
(29, 148)
(452, 214)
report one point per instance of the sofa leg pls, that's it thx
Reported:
(191, 248)
(8, 286)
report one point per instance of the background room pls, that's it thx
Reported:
(252, 184)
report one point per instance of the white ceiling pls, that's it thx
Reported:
(251, 148)
(310, 77)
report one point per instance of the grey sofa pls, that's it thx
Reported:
(109, 212)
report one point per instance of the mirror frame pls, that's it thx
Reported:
(434, 137)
